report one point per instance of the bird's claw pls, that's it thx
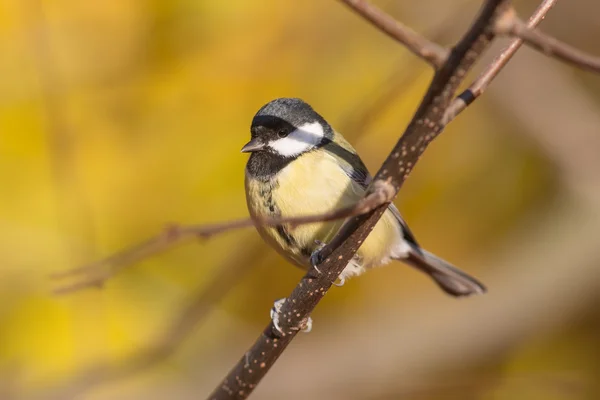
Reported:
(315, 260)
(314, 257)
(275, 315)
(307, 327)
(340, 282)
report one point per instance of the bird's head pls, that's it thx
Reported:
(287, 127)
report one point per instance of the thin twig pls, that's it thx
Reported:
(95, 274)
(423, 128)
(467, 97)
(429, 51)
(550, 46)
(427, 123)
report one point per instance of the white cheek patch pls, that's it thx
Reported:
(297, 142)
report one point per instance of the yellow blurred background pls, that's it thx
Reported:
(117, 118)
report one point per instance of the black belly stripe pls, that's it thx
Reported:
(306, 252)
(266, 192)
(285, 235)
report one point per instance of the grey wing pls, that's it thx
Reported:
(351, 163)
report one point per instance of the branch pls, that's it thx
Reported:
(424, 127)
(431, 52)
(548, 45)
(95, 274)
(467, 97)
(543, 271)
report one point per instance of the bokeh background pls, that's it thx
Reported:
(117, 118)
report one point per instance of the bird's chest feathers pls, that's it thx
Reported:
(312, 184)
(306, 186)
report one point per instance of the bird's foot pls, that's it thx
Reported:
(275, 315)
(315, 259)
(340, 281)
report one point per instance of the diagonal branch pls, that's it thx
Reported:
(95, 274)
(467, 97)
(436, 110)
(424, 127)
(429, 51)
(548, 45)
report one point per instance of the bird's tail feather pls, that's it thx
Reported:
(451, 279)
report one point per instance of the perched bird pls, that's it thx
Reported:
(301, 166)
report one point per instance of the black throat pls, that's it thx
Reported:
(263, 165)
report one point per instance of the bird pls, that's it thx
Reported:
(299, 165)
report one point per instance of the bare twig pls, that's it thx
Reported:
(423, 128)
(467, 97)
(429, 51)
(544, 273)
(548, 45)
(435, 112)
(95, 274)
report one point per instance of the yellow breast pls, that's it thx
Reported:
(315, 184)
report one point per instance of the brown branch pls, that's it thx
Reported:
(523, 268)
(467, 97)
(95, 274)
(435, 112)
(424, 127)
(429, 51)
(548, 45)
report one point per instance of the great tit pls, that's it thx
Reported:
(299, 165)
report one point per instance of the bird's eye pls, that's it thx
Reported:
(282, 133)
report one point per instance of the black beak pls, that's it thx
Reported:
(253, 145)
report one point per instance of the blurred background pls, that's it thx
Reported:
(117, 118)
